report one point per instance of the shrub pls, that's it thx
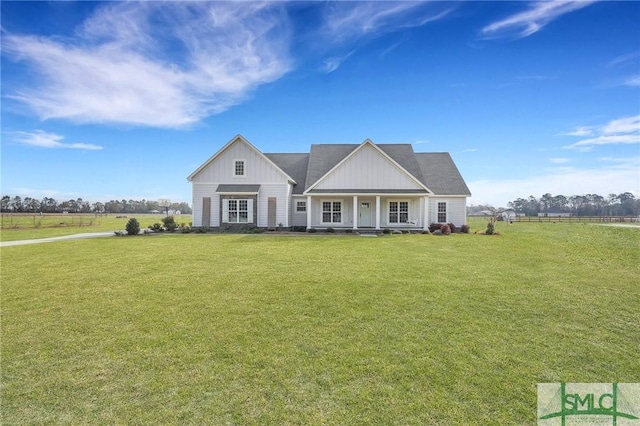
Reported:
(490, 229)
(452, 227)
(312, 230)
(169, 223)
(331, 230)
(156, 227)
(445, 229)
(386, 231)
(133, 226)
(464, 229)
(202, 230)
(349, 231)
(435, 227)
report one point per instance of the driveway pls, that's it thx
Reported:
(52, 239)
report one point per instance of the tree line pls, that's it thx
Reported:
(18, 204)
(623, 204)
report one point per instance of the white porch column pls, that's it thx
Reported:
(377, 212)
(308, 211)
(355, 212)
(425, 219)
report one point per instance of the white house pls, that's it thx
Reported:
(354, 186)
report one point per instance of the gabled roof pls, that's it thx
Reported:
(328, 158)
(224, 148)
(440, 174)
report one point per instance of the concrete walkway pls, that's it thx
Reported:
(52, 239)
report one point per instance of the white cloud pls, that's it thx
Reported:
(624, 130)
(470, 150)
(538, 15)
(560, 160)
(632, 81)
(351, 20)
(579, 131)
(118, 70)
(43, 139)
(332, 64)
(621, 175)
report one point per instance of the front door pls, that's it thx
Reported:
(271, 213)
(364, 219)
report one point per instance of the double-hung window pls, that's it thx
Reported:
(442, 212)
(237, 211)
(398, 211)
(301, 206)
(332, 212)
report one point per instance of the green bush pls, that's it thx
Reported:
(169, 223)
(386, 231)
(312, 230)
(133, 226)
(464, 229)
(491, 229)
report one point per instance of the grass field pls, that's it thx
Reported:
(32, 226)
(337, 330)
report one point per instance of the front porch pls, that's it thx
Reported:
(364, 212)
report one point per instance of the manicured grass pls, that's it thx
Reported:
(264, 329)
(32, 226)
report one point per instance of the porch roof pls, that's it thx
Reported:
(368, 191)
(237, 189)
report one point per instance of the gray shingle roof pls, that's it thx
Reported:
(240, 189)
(295, 165)
(436, 171)
(440, 174)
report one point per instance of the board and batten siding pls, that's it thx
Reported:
(367, 169)
(456, 209)
(201, 191)
(256, 168)
(280, 193)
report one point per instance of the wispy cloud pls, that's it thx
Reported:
(43, 139)
(332, 64)
(624, 130)
(351, 20)
(632, 81)
(579, 131)
(470, 150)
(421, 142)
(560, 160)
(118, 70)
(531, 21)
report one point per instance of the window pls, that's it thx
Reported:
(237, 211)
(301, 206)
(238, 168)
(398, 211)
(442, 212)
(332, 212)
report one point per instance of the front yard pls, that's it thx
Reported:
(267, 329)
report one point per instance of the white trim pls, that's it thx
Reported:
(355, 212)
(305, 206)
(308, 211)
(384, 154)
(225, 147)
(377, 212)
(332, 200)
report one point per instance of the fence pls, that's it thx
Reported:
(597, 219)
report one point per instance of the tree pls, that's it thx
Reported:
(133, 226)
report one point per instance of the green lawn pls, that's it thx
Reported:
(338, 330)
(33, 226)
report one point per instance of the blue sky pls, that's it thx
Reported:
(124, 100)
